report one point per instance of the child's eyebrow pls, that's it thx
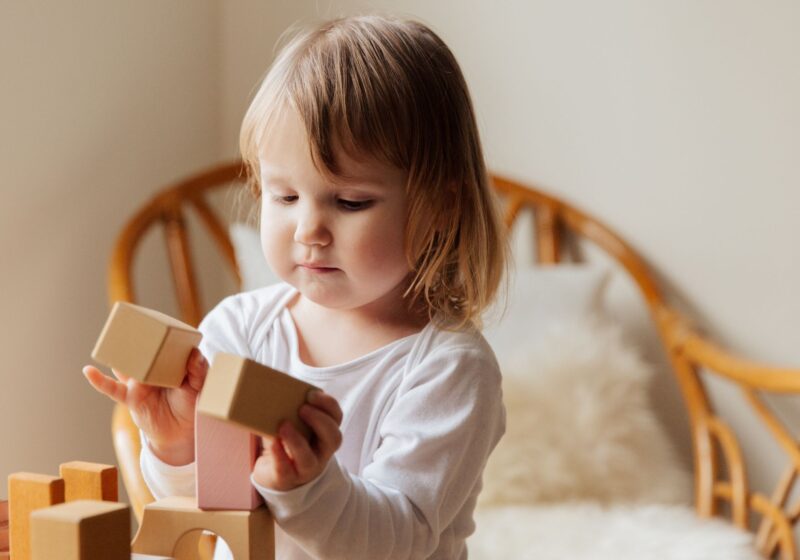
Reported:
(277, 180)
(272, 171)
(274, 176)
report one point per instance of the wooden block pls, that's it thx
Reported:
(249, 534)
(28, 492)
(252, 395)
(4, 537)
(4, 526)
(145, 344)
(81, 530)
(225, 455)
(89, 481)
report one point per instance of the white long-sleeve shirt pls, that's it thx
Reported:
(421, 416)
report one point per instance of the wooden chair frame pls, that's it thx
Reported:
(691, 354)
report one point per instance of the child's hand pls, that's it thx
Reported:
(165, 415)
(289, 460)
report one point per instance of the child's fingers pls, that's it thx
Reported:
(297, 449)
(121, 377)
(197, 368)
(196, 364)
(104, 384)
(278, 462)
(327, 403)
(329, 437)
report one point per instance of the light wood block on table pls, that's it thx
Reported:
(28, 492)
(89, 481)
(81, 530)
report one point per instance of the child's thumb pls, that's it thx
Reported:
(197, 369)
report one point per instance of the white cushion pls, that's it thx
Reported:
(580, 424)
(539, 297)
(589, 531)
(252, 266)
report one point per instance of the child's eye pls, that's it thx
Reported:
(288, 199)
(353, 205)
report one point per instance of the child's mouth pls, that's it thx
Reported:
(318, 269)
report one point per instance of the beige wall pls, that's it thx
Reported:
(676, 122)
(99, 104)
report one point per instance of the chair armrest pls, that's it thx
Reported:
(685, 342)
(127, 447)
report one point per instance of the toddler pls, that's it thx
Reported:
(377, 215)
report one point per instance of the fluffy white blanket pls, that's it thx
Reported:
(591, 532)
(580, 425)
(585, 463)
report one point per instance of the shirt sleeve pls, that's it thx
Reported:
(435, 441)
(163, 479)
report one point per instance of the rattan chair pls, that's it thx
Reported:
(691, 354)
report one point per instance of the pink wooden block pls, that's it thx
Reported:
(225, 457)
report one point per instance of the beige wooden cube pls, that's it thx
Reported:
(145, 344)
(253, 395)
(82, 530)
(89, 481)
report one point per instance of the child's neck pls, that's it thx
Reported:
(328, 337)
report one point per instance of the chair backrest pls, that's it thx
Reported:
(690, 353)
(169, 210)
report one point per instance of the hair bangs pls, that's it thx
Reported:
(352, 96)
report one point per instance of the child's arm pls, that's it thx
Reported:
(436, 438)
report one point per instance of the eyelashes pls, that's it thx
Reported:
(344, 204)
(353, 205)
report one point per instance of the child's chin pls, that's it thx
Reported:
(326, 296)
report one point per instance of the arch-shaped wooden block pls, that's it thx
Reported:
(249, 534)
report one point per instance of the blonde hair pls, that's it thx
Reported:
(392, 90)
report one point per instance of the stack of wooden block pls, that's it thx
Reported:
(240, 401)
(74, 515)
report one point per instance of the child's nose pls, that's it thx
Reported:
(311, 229)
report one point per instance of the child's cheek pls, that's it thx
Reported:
(276, 248)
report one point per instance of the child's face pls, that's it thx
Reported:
(340, 244)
